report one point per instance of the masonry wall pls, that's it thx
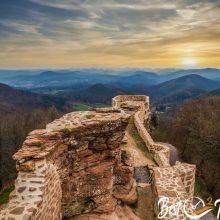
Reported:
(161, 151)
(72, 167)
(37, 193)
(187, 174)
(174, 182)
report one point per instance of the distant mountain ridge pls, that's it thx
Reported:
(210, 73)
(139, 77)
(174, 91)
(92, 76)
(57, 79)
(98, 93)
(182, 88)
(95, 86)
(188, 81)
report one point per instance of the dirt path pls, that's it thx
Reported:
(137, 158)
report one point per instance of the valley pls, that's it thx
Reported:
(90, 86)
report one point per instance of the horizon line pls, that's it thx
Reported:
(108, 68)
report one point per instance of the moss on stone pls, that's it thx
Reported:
(89, 116)
(124, 156)
(140, 143)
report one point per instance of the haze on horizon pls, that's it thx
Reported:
(111, 33)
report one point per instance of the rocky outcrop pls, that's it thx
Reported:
(125, 185)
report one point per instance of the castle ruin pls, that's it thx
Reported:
(73, 169)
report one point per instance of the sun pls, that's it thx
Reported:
(189, 62)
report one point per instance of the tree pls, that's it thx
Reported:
(14, 127)
(194, 129)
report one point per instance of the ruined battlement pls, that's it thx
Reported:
(74, 166)
(141, 114)
(174, 182)
(71, 167)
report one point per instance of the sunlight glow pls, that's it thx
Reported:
(189, 62)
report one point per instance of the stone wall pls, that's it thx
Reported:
(140, 105)
(37, 193)
(187, 175)
(131, 102)
(72, 167)
(174, 182)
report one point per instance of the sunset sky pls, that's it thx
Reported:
(109, 33)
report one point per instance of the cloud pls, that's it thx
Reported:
(126, 29)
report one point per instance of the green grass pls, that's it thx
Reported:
(101, 105)
(81, 107)
(140, 143)
(5, 194)
(85, 107)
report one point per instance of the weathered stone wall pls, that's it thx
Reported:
(174, 182)
(37, 193)
(187, 174)
(167, 183)
(72, 167)
(140, 105)
(131, 102)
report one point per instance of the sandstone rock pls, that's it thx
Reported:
(124, 185)
(32, 189)
(21, 189)
(17, 210)
(26, 166)
(120, 213)
(105, 203)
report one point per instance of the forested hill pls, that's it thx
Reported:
(176, 91)
(20, 113)
(12, 99)
(194, 129)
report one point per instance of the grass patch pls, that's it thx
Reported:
(81, 107)
(123, 144)
(84, 107)
(101, 105)
(140, 143)
(5, 194)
